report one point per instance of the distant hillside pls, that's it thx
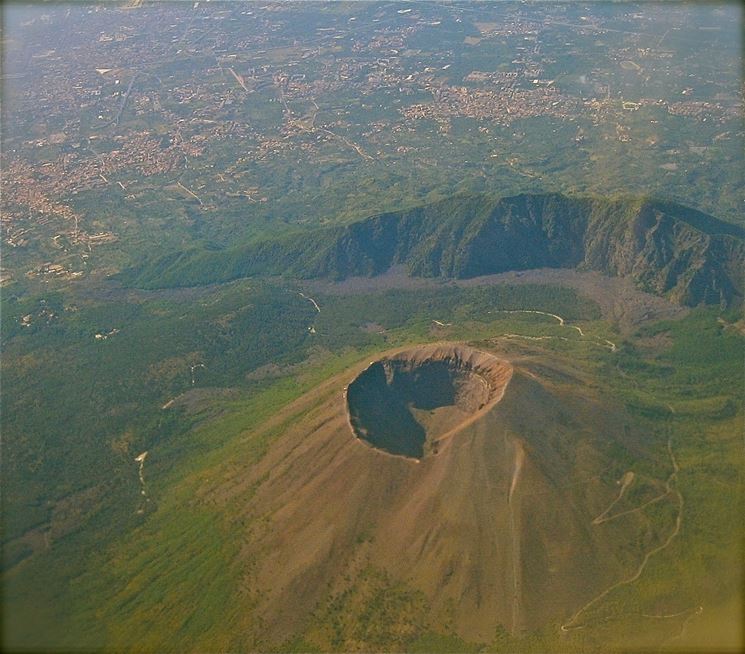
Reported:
(666, 248)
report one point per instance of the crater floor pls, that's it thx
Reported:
(406, 403)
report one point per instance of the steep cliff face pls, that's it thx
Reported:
(653, 243)
(528, 231)
(667, 249)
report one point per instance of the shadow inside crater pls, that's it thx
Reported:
(401, 405)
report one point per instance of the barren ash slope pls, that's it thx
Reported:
(469, 478)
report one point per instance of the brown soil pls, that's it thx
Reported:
(493, 528)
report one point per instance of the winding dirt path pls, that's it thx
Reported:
(637, 509)
(692, 613)
(311, 300)
(670, 486)
(628, 479)
(534, 338)
(666, 616)
(312, 327)
(562, 322)
(542, 313)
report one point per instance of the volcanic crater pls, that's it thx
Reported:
(407, 403)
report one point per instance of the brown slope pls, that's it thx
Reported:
(495, 528)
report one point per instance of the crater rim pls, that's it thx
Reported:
(464, 365)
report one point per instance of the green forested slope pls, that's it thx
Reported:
(666, 248)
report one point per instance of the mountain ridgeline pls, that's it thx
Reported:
(666, 248)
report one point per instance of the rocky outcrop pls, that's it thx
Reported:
(667, 249)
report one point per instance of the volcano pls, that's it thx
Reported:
(470, 477)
